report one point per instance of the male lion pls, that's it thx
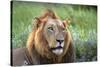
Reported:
(49, 42)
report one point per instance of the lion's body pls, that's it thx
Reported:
(22, 57)
(48, 43)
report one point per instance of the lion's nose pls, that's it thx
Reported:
(60, 41)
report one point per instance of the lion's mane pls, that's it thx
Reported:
(37, 44)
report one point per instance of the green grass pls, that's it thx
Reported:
(83, 25)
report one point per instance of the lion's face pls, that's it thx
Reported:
(54, 33)
(50, 36)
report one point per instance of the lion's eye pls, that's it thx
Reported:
(64, 30)
(50, 28)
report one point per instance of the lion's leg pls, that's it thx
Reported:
(18, 57)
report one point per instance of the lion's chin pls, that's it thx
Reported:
(58, 51)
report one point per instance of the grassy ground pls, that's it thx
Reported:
(83, 25)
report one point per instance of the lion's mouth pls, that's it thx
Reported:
(57, 50)
(58, 47)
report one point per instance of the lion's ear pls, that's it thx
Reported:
(66, 22)
(38, 20)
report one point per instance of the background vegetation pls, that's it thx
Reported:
(83, 25)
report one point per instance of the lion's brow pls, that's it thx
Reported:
(60, 24)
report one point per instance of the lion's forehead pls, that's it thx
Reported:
(56, 22)
(59, 22)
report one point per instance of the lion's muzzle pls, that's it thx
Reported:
(58, 49)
